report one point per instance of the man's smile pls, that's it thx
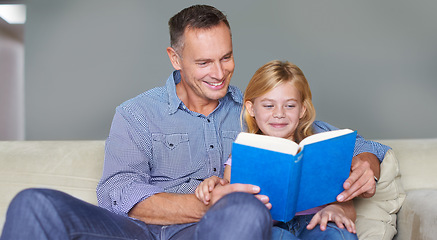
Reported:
(216, 84)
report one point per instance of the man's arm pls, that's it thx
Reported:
(170, 208)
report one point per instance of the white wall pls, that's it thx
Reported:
(372, 65)
(11, 87)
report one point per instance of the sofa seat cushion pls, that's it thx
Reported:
(417, 218)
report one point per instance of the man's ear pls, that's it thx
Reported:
(174, 58)
(249, 108)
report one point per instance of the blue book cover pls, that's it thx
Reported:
(294, 177)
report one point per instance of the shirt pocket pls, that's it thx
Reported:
(171, 155)
(228, 139)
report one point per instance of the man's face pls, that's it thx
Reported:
(206, 63)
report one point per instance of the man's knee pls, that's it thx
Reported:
(236, 216)
(244, 205)
(29, 197)
(241, 210)
(32, 202)
(34, 211)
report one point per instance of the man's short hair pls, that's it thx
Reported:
(197, 17)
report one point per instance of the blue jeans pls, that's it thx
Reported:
(297, 227)
(49, 214)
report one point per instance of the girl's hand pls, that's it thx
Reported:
(332, 213)
(203, 191)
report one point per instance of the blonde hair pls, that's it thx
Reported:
(268, 77)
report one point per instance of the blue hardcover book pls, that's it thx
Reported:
(295, 177)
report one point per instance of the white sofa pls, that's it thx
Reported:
(75, 167)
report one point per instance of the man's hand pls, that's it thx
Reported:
(361, 182)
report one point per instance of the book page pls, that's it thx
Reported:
(276, 144)
(326, 165)
(318, 137)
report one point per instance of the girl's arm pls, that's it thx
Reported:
(203, 191)
(343, 214)
(227, 173)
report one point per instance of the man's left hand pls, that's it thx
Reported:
(361, 182)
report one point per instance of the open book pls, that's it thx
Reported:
(295, 177)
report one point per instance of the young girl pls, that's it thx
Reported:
(277, 102)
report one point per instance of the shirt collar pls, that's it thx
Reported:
(174, 102)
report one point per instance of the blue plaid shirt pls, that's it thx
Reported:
(156, 144)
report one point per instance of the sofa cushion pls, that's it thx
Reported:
(376, 216)
(417, 160)
(74, 167)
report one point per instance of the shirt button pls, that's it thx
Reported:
(215, 169)
(211, 146)
(208, 120)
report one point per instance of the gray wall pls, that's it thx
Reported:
(11, 84)
(372, 65)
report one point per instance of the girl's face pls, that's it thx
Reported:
(277, 113)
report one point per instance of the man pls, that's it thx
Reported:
(162, 144)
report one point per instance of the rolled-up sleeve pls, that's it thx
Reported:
(126, 173)
(361, 145)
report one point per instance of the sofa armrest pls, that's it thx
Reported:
(418, 215)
